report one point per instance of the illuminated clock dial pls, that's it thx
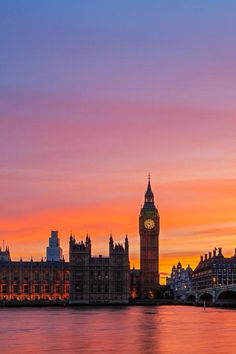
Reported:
(149, 224)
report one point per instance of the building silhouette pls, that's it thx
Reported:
(87, 279)
(149, 226)
(33, 280)
(180, 281)
(214, 270)
(144, 282)
(95, 280)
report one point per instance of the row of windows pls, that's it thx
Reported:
(36, 289)
(215, 279)
(36, 276)
(99, 275)
(94, 275)
(208, 283)
(99, 261)
(98, 289)
(224, 265)
(42, 298)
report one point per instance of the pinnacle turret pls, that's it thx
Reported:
(149, 197)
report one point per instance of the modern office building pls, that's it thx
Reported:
(54, 251)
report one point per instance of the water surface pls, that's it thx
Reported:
(163, 329)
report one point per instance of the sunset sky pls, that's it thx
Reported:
(94, 95)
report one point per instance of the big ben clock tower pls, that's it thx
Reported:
(149, 222)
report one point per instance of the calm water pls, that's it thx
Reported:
(164, 329)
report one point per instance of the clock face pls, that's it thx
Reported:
(149, 224)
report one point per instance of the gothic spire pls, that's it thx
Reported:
(149, 197)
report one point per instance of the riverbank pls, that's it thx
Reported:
(63, 303)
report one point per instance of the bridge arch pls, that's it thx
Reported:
(206, 298)
(226, 297)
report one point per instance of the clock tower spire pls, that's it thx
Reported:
(149, 222)
(149, 197)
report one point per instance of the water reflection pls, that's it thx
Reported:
(165, 329)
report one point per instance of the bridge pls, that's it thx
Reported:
(219, 295)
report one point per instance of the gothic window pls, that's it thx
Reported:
(46, 289)
(118, 287)
(57, 289)
(36, 276)
(4, 289)
(78, 275)
(26, 289)
(57, 275)
(119, 261)
(15, 289)
(46, 276)
(36, 289)
(4, 276)
(26, 276)
(79, 287)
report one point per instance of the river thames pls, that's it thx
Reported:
(163, 329)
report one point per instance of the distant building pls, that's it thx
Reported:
(99, 280)
(214, 270)
(180, 281)
(54, 251)
(4, 254)
(33, 280)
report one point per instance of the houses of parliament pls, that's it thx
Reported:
(86, 279)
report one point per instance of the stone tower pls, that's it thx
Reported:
(80, 255)
(149, 226)
(119, 271)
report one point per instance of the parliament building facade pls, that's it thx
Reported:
(87, 279)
